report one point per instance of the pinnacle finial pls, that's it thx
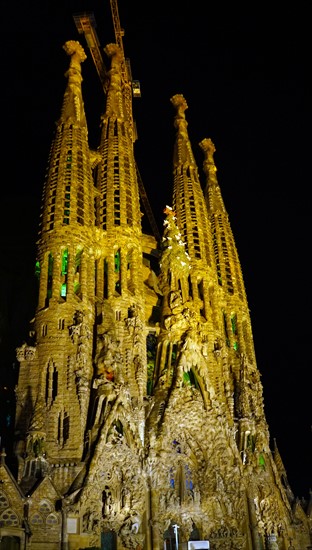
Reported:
(76, 51)
(179, 102)
(113, 50)
(208, 148)
(77, 56)
(115, 105)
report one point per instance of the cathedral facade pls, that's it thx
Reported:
(140, 420)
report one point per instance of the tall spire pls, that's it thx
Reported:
(68, 192)
(213, 195)
(118, 216)
(188, 199)
(229, 273)
(120, 356)
(60, 382)
(192, 220)
(238, 338)
(118, 202)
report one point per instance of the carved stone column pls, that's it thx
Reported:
(253, 525)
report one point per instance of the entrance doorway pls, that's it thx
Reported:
(10, 543)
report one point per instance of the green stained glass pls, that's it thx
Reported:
(261, 460)
(65, 262)
(37, 269)
(64, 272)
(117, 261)
(186, 379)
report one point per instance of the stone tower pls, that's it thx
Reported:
(140, 421)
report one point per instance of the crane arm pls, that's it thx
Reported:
(85, 23)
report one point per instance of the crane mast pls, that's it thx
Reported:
(119, 33)
(86, 25)
(125, 67)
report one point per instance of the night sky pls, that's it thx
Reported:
(244, 73)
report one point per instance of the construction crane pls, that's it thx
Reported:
(86, 25)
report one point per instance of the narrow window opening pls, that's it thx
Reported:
(151, 349)
(49, 279)
(117, 260)
(190, 287)
(64, 274)
(77, 284)
(226, 330)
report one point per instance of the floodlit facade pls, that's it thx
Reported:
(140, 420)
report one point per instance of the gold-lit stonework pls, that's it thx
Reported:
(140, 419)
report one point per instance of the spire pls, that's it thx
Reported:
(213, 195)
(238, 338)
(225, 253)
(73, 109)
(119, 285)
(115, 106)
(236, 317)
(68, 196)
(65, 260)
(188, 198)
(118, 203)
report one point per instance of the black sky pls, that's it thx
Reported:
(244, 73)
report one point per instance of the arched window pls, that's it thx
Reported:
(52, 519)
(4, 503)
(9, 518)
